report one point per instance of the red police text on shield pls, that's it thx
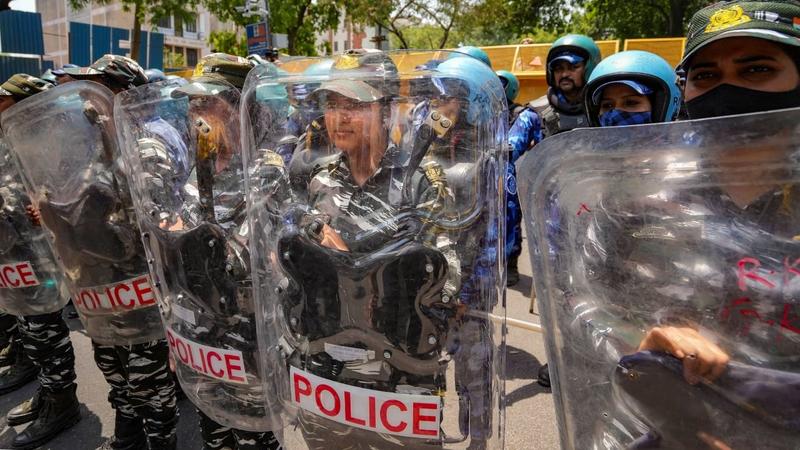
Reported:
(124, 295)
(220, 363)
(17, 275)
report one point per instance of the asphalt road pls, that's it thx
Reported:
(530, 419)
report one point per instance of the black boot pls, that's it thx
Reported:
(512, 273)
(544, 376)
(7, 355)
(58, 411)
(27, 411)
(22, 372)
(128, 435)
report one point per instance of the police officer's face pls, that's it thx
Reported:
(569, 77)
(6, 101)
(352, 125)
(746, 62)
(624, 98)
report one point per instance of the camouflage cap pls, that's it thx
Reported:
(121, 70)
(22, 86)
(366, 75)
(776, 21)
(221, 66)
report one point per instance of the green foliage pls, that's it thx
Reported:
(298, 19)
(173, 59)
(625, 19)
(228, 42)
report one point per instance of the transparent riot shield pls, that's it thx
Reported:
(665, 267)
(374, 248)
(65, 143)
(182, 145)
(30, 280)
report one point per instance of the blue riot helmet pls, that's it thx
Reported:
(475, 52)
(510, 84)
(154, 75)
(321, 69)
(644, 72)
(479, 85)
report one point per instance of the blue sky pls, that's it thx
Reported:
(25, 5)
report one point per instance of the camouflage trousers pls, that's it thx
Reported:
(8, 329)
(217, 437)
(44, 338)
(142, 386)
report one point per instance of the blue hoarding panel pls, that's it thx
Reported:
(118, 34)
(79, 44)
(21, 32)
(156, 51)
(101, 41)
(107, 40)
(9, 65)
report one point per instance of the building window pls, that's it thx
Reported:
(347, 44)
(165, 22)
(336, 46)
(191, 57)
(190, 26)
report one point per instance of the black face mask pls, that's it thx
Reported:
(728, 100)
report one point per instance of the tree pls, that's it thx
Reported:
(625, 19)
(144, 10)
(5, 5)
(411, 20)
(228, 42)
(299, 19)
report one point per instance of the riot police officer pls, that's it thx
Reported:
(43, 344)
(369, 266)
(570, 62)
(191, 209)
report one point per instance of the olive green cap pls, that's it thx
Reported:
(23, 86)
(777, 21)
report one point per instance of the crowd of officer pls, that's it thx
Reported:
(740, 57)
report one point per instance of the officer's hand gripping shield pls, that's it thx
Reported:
(665, 264)
(376, 289)
(182, 145)
(65, 143)
(30, 280)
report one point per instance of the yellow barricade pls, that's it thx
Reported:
(670, 49)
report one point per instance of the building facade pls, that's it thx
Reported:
(183, 43)
(348, 36)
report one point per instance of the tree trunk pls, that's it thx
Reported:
(677, 11)
(5, 5)
(137, 32)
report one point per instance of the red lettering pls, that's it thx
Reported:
(185, 355)
(112, 301)
(746, 273)
(233, 367)
(96, 303)
(790, 269)
(306, 390)
(26, 274)
(192, 349)
(417, 417)
(219, 373)
(348, 411)
(142, 291)
(82, 297)
(332, 412)
(372, 421)
(385, 415)
(119, 288)
(726, 312)
(13, 283)
(786, 320)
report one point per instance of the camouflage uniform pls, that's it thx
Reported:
(142, 387)
(45, 340)
(216, 436)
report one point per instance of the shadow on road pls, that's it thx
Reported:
(521, 365)
(524, 285)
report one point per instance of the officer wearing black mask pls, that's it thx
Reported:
(742, 57)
